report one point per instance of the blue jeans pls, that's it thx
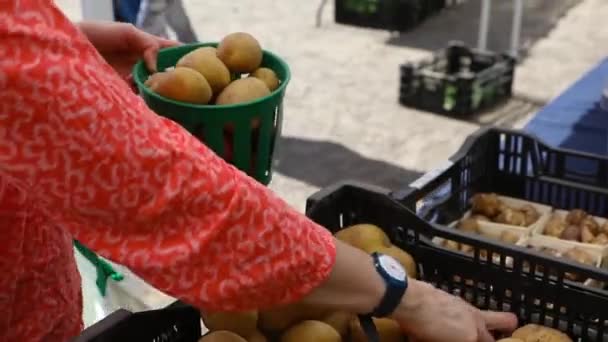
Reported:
(155, 16)
(126, 10)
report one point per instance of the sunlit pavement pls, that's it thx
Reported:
(342, 115)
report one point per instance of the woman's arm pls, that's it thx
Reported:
(141, 191)
(137, 188)
(425, 313)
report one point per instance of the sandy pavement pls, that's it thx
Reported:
(342, 116)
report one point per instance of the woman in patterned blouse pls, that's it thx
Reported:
(82, 157)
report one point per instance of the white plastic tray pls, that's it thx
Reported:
(540, 228)
(562, 246)
(543, 210)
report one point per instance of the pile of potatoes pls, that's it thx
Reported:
(537, 333)
(228, 74)
(489, 207)
(573, 254)
(471, 225)
(577, 226)
(299, 322)
(294, 323)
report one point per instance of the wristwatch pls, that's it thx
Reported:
(395, 277)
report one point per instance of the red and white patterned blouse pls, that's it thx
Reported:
(82, 157)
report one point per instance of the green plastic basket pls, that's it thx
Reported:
(252, 148)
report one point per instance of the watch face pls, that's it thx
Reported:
(392, 267)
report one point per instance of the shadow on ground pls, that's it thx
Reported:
(461, 22)
(322, 163)
(504, 114)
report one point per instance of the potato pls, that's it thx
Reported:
(509, 237)
(486, 204)
(580, 256)
(240, 323)
(576, 216)
(240, 52)
(268, 76)
(547, 335)
(278, 319)
(466, 248)
(604, 229)
(548, 251)
(512, 217)
(510, 339)
(601, 239)
(586, 234)
(243, 90)
(222, 336)
(591, 224)
(480, 218)
(388, 330)
(483, 254)
(365, 237)
(311, 331)
(523, 332)
(340, 321)
(205, 61)
(555, 226)
(572, 233)
(181, 84)
(257, 337)
(469, 225)
(453, 245)
(530, 213)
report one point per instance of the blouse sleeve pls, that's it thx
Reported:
(137, 188)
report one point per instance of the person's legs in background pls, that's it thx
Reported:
(151, 17)
(125, 11)
(155, 15)
(178, 20)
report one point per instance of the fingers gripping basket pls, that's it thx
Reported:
(532, 285)
(251, 146)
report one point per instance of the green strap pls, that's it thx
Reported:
(104, 269)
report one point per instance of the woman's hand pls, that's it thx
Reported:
(428, 315)
(122, 45)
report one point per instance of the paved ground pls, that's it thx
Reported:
(342, 116)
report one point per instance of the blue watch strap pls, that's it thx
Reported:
(395, 286)
(369, 328)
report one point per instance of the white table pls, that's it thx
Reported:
(97, 9)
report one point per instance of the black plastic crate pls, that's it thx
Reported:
(176, 323)
(545, 298)
(515, 164)
(392, 15)
(457, 80)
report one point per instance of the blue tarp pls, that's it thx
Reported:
(575, 120)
